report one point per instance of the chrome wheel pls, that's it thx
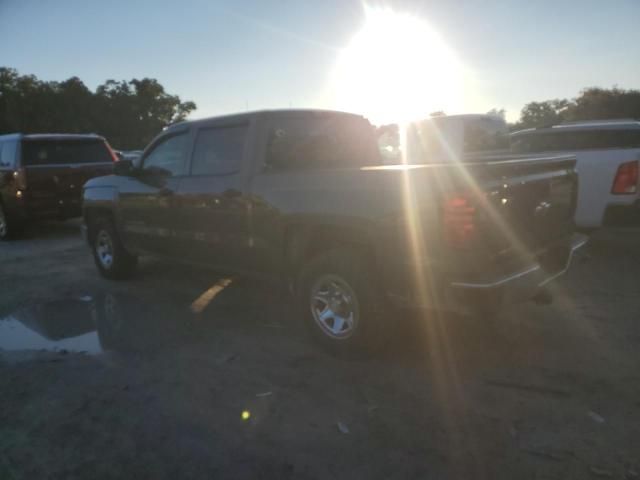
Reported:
(104, 249)
(334, 306)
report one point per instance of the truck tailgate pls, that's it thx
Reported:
(523, 214)
(528, 203)
(475, 226)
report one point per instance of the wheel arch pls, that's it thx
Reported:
(305, 242)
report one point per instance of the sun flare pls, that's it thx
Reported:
(396, 69)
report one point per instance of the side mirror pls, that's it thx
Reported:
(123, 168)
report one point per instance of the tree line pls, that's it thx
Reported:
(128, 113)
(591, 104)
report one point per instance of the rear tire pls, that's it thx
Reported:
(9, 228)
(341, 304)
(111, 258)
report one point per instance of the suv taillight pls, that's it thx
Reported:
(626, 180)
(114, 157)
(20, 177)
(458, 221)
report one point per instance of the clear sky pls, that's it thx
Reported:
(227, 56)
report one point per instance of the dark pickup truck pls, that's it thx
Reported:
(301, 196)
(41, 176)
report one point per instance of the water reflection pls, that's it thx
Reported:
(106, 322)
(59, 325)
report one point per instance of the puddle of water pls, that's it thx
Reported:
(93, 325)
(60, 325)
(16, 336)
(120, 322)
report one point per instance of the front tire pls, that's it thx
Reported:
(341, 304)
(110, 256)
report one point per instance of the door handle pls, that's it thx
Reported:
(165, 192)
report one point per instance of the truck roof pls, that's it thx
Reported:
(51, 136)
(244, 116)
(616, 124)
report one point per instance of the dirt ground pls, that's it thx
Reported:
(169, 376)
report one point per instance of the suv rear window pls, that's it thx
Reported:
(575, 140)
(8, 153)
(56, 152)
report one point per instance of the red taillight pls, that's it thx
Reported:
(114, 157)
(458, 219)
(626, 180)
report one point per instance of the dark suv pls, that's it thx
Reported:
(41, 176)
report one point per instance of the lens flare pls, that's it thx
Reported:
(396, 69)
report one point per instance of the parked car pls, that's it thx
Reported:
(301, 196)
(608, 153)
(41, 176)
(446, 138)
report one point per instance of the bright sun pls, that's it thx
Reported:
(396, 69)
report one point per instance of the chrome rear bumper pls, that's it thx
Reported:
(526, 282)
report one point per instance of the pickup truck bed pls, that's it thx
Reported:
(521, 221)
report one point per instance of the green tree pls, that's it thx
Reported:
(538, 114)
(498, 112)
(128, 113)
(601, 103)
(592, 103)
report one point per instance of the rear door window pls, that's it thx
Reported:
(59, 152)
(8, 150)
(219, 150)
